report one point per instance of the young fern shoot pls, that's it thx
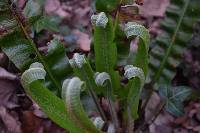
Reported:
(103, 80)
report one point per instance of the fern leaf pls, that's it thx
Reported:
(105, 48)
(21, 50)
(135, 85)
(83, 70)
(103, 79)
(52, 105)
(71, 95)
(177, 31)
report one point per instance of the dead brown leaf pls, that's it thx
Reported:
(154, 8)
(8, 94)
(83, 40)
(11, 123)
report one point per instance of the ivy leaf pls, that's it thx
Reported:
(174, 98)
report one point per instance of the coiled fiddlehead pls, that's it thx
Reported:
(103, 79)
(99, 20)
(71, 94)
(98, 122)
(135, 87)
(134, 29)
(35, 72)
(53, 106)
(82, 69)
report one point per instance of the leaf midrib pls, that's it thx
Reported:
(158, 73)
(36, 50)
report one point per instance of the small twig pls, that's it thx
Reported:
(130, 123)
(159, 110)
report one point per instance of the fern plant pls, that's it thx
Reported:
(58, 84)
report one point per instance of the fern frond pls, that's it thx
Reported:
(17, 44)
(104, 47)
(169, 45)
(71, 95)
(32, 81)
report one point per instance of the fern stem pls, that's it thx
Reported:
(157, 75)
(94, 97)
(35, 49)
(112, 110)
(117, 17)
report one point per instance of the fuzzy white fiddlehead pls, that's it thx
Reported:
(98, 122)
(103, 79)
(77, 60)
(131, 72)
(99, 20)
(135, 88)
(71, 90)
(35, 72)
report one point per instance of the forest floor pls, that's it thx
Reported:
(19, 114)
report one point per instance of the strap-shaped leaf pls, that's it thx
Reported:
(135, 85)
(83, 70)
(71, 94)
(58, 63)
(174, 98)
(141, 57)
(168, 47)
(103, 79)
(21, 50)
(52, 105)
(104, 47)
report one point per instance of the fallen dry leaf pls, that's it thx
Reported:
(4, 74)
(8, 93)
(55, 7)
(83, 40)
(154, 8)
(11, 123)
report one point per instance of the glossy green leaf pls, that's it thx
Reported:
(174, 98)
(105, 50)
(168, 47)
(71, 91)
(52, 105)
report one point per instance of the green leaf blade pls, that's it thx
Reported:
(174, 98)
(177, 31)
